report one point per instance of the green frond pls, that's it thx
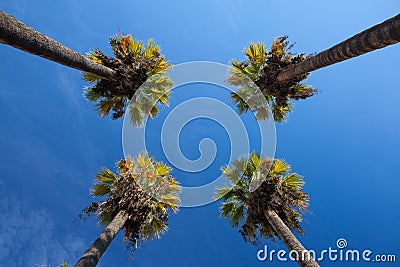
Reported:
(279, 167)
(93, 56)
(152, 50)
(136, 47)
(158, 227)
(136, 114)
(255, 160)
(302, 91)
(281, 111)
(90, 77)
(172, 201)
(146, 105)
(163, 169)
(226, 208)
(301, 88)
(241, 105)
(104, 107)
(233, 175)
(144, 161)
(106, 175)
(160, 95)
(293, 181)
(262, 113)
(90, 94)
(224, 193)
(237, 79)
(101, 189)
(237, 215)
(239, 68)
(160, 67)
(240, 164)
(250, 169)
(256, 52)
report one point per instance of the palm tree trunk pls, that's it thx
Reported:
(304, 258)
(21, 36)
(378, 36)
(92, 256)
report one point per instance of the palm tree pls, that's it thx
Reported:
(135, 64)
(279, 74)
(266, 201)
(115, 79)
(138, 199)
(261, 69)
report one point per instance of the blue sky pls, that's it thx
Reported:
(344, 140)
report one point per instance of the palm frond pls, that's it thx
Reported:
(101, 189)
(224, 193)
(106, 175)
(255, 160)
(237, 215)
(233, 175)
(90, 94)
(280, 167)
(293, 181)
(90, 77)
(226, 208)
(104, 107)
(162, 169)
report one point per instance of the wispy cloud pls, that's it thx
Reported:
(29, 238)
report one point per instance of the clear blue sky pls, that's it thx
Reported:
(344, 140)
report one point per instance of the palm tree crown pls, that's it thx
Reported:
(262, 184)
(142, 188)
(262, 67)
(134, 64)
